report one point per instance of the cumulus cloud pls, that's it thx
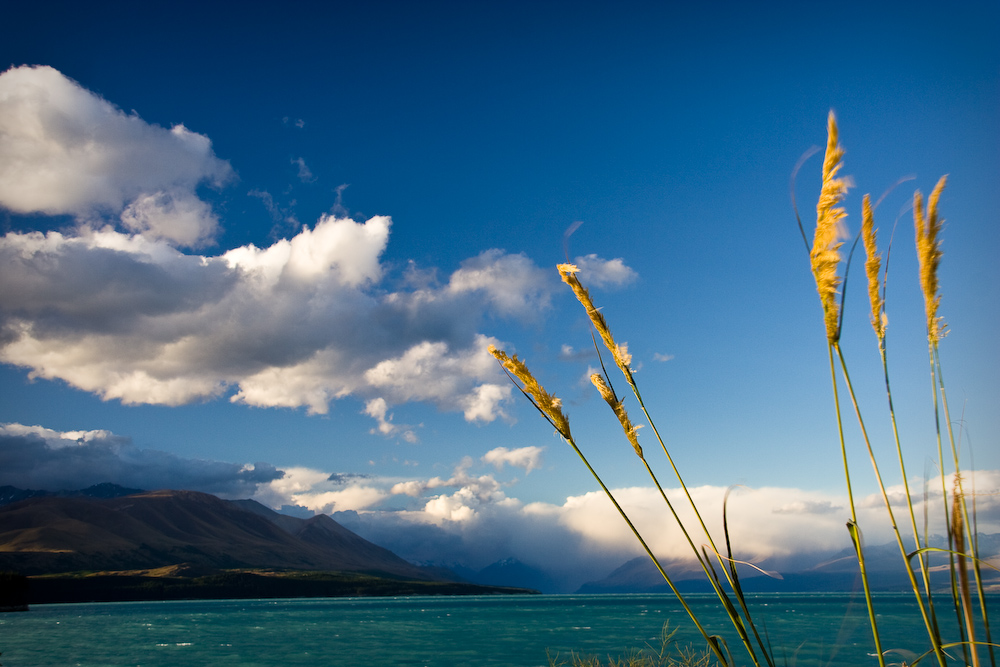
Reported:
(174, 216)
(469, 519)
(320, 491)
(116, 308)
(513, 284)
(297, 324)
(378, 409)
(604, 273)
(430, 371)
(528, 458)
(65, 150)
(35, 457)
(472, 491)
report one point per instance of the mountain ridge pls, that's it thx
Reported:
(836, 571)
(50, 533)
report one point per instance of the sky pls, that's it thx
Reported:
(261, 252)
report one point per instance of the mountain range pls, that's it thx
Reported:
(113, 529)
(836, 571)
(186, 534)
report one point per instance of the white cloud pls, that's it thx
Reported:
(378, 409)
(528, 458)
(483, 404)
(302, 322)
(472, 493)
(305, 174)
(484, 487)
(604, 273)
(476, 523)
(55, 439)
(469, 518)
(320, 491)
(340, 245)
(174, 216)
(64, 150)
(430, 371)
(513, 284)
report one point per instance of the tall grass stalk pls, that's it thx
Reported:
(742, 623)
(877, 287)
(825, 262)
(825, 259)
(962, 539)
(550, 407)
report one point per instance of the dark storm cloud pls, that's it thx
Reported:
(37, 458)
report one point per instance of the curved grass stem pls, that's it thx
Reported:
(712, 640)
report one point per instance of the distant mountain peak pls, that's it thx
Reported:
(106, 490)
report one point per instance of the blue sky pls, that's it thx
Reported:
(436, 155)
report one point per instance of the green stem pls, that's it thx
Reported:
(935, 641)
(719, 592)
(971, 538)
(930, 618)
(712, 641)
(853, 525)
(952, 567)
(694, 507)
(677, 473)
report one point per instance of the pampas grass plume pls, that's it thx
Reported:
(873, 266)
(929, 254)
(619, 352)
(547, 404)
(825, 254)
(619, 409)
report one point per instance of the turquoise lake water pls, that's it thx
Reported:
(807, 629)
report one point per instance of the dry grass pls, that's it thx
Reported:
(826, 264)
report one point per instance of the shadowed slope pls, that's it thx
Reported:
(161, 528)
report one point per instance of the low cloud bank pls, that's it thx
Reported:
(471, 518)
(33, 457)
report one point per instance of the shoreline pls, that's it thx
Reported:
(129, 586)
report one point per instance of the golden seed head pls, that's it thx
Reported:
(957, 522)
(598, 381)
(547, 404)
(825, 254)
(873, 266)
(619, 409)
(619, 352)
(929, 255)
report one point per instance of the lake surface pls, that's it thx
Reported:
(808, 629)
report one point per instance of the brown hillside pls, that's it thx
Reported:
(164, 528)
